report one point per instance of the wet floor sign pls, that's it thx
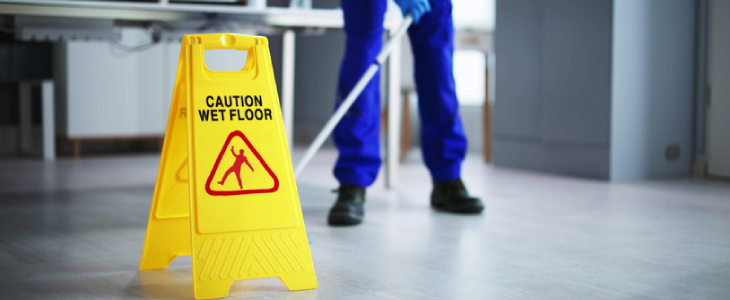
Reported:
(225, 190)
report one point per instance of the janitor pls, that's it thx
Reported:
(443, 140)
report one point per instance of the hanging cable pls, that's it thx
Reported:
(154, 33)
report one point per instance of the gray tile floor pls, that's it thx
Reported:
(74, 229)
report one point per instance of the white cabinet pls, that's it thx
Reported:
(107, 93)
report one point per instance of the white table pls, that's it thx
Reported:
(287, 19)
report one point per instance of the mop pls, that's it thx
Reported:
(340, 112)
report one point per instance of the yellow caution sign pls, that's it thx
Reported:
(225, 191)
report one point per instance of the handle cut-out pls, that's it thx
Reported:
(213, 41)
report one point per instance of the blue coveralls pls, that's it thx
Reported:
(443, 141)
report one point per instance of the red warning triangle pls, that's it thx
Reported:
(242, 159)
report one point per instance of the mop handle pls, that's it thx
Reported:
(340, 112)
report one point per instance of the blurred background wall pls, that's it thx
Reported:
(601, 89)
(610, 89)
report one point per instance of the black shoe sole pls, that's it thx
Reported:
(344, 219)
(468, 209)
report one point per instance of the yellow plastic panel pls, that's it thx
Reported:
(236, 113)
(244, 220)
(169, 222)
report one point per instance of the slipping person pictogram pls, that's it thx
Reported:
(236, 167)
(262, 181)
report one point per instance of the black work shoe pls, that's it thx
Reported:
(348, 209)
(451, 196)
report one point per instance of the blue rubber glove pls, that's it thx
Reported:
(417, 8)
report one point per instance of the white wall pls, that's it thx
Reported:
(653, 87)
(317, 66)
(594, 88)
(553, 81)
(718, 114)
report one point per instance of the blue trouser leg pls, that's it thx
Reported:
(357, 136)
(443, 140)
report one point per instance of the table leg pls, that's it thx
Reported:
(76, 148)
(394, 111)
(405, 132)
(287, 86)
(49, 122)
(26, 117)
